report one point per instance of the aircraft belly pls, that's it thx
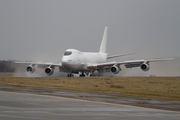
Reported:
(75, 67)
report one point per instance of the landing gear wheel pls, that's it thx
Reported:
(70, 75)
(82, 75)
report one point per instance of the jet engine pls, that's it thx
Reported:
(145, 67)
(115, 69)
(30, 68)
(49, 70)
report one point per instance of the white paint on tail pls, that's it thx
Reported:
(104, 41)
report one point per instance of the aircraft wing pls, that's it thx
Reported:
(114, 56)
(41, 63)
(44, 65)
(128, 64)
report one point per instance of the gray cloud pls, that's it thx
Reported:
(41, 30)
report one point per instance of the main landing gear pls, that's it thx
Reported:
(82, 75)
(70, 75)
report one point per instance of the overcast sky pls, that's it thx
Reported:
(41, 30)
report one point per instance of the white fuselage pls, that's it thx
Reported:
(75, 61)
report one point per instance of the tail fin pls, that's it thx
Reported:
(104, 41)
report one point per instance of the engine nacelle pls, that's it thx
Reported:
(49, 70)
(145, 67)
(30, 68)
(115, 69)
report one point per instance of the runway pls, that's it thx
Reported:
(17, 106)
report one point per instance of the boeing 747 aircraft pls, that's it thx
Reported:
(86, 63)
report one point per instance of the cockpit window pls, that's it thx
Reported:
(68, 53)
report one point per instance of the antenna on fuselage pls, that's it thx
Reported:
(104, 41)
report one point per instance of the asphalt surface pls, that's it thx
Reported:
(23, 106)
(101, 97)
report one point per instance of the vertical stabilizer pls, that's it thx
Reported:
(104, 41)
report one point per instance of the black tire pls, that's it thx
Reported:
(70, 75)
(82, 75)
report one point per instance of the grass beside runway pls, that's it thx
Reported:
(157, 87)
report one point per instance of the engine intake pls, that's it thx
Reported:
(49, 70)
(115, 69)
(145, 67)
(30, 68)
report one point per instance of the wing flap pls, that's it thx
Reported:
(100, 65)
(131, 65)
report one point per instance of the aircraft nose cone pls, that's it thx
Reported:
(64, 60)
